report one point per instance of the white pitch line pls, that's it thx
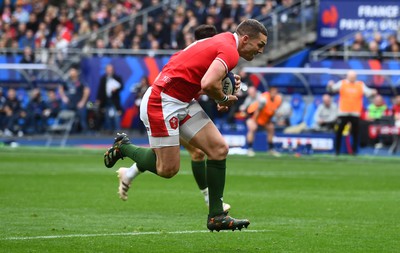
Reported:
(124, 234)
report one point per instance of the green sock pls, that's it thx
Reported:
(145, 158)
(216, 183)
(199, 173)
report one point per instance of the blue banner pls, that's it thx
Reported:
(337, 18)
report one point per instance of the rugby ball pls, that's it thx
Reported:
(228, 84)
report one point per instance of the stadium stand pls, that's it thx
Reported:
(138, 37)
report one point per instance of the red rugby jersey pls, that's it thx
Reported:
(181, 76)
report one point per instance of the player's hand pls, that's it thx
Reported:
(238, 83)
(231, 100)
(222, 108)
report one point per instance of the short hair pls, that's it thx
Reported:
(252, 28)
(204, 31)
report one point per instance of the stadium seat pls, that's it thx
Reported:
(62, 126)
(298, 108)
(310, 111)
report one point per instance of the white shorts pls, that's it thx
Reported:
(167, 118)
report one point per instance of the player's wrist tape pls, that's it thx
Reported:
(226, 98)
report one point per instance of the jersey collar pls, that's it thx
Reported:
(236, 39)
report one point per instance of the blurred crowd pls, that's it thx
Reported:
(373, 44)
(39, 24)
(33, 111)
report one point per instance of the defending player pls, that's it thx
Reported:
(198, 160)
(261, 112)
(169, 112)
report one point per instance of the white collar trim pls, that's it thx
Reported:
(236, 39)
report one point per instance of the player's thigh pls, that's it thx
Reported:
(211, 142)
(251, 124)
(270, 127)
(195, 153)
(195, 120)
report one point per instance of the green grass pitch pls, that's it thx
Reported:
(65, 200)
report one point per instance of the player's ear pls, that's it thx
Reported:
(245, 38)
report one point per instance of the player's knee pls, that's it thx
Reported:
(167, 171)
(219, 151)
(197, 155)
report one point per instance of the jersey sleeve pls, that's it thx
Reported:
(367, 91)
(336, 87)
(228, 56)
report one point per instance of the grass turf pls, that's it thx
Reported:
(64, 200)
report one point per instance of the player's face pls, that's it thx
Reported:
(253, 46)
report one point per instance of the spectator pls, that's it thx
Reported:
(27, 40)
(21, 14)
(234, 12)
(15, 116)
(33, 23)
(359, 43)
(2, 112)
(375, 51)
(393, 45)
(35, 121)
(396, 116)
(326, 114)
(28, 56)
(53, 107)
(396, 111)
(138, 92)
(378, 40)
(377, 109)
(140, 89)
(108, 98)
(74, 94)
(351, 92)
(267, 8)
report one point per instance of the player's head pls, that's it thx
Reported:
(204, 31)
(273, 91)
(351, 76)
(252, 38)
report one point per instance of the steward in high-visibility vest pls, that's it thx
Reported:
(351, 92)
(260, 114)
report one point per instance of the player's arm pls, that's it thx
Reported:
(238, 83)
(334, 87)
(368, 91)
(85, 97)
(211, 84)
(63, 96)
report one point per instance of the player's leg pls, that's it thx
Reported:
(355, 125)
(251, 129)
(198, 167)
(163, 158)
(270, 137)
(342, 121)
(199, 170)
(210, 140)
